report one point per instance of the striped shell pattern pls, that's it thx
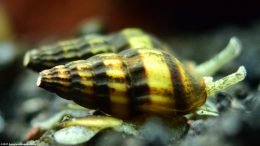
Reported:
(129, 83)
(63, 52)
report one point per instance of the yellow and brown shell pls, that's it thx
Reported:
(130, 83)
(63, 52)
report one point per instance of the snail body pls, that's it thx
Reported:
(63, 52)
(130, 83)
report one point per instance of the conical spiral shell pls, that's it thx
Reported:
(127, 84)
(63, 52)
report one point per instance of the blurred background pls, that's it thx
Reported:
(188, 26)
(36, 20)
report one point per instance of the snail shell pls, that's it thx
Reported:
(133, 82)
(63, 52)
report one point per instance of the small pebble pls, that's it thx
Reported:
(155, 133)
(74, 135)
(242, 93)
(7, 54)
(34, 105)
(92, 26)
(2, 124)
(223, 102)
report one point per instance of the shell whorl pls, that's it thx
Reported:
(128, 83)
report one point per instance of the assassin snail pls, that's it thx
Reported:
(63, 52)
(134, 82)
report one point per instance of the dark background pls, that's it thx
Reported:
(35, 20)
